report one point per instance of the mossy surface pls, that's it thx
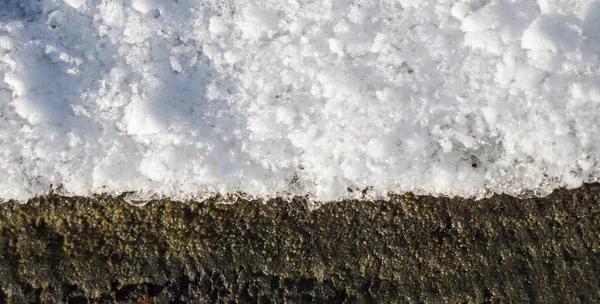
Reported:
(407, 249)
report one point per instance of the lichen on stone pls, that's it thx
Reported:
(405, 249)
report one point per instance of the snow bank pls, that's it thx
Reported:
(326, 98)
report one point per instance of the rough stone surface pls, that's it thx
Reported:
(407, 249)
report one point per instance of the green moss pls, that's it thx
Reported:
(406, 249)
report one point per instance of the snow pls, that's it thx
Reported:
(336, 46)
(460, 10)
(76, 4)
(187, 98)
(551, 33)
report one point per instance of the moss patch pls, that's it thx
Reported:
(406, 249)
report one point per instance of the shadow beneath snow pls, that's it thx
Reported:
(176, 103)
(119, 99)
(591, 26)
(25, 10)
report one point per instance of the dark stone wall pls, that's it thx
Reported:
(407, 249)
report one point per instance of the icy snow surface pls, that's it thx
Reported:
(188, 97)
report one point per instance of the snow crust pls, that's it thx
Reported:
(321, 98)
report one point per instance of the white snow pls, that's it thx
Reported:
(142, 6)
(460, 10)
(336, 46)
(191, 97)
(551, 33)
(75, 3)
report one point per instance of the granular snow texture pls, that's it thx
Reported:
(325, 98)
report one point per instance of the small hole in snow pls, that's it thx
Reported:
(475, 161)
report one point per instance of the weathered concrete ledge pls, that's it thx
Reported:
(407, 249)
